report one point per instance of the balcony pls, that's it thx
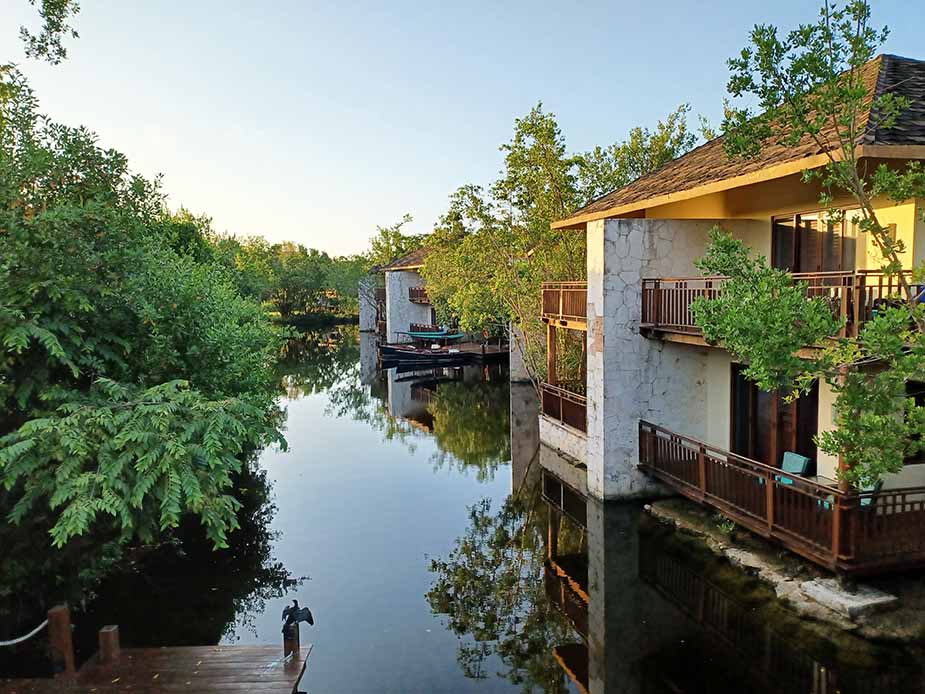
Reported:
(565, 304)
(418, 295)
(565, 406)
(848, 532)
(852, 296)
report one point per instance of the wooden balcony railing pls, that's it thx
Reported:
(565, 303)
(853, 297)
(849, 532)
(418, 295)
(565, 406)
(380, 328)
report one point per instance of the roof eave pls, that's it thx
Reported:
(873, 151)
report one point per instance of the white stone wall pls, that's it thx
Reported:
(631, 377)
(567, 440)
(366, 292)
(400, 311)
(518, 368)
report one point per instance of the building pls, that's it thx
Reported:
(406, 304)
(656, 405)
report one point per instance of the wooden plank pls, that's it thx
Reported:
(192, 670)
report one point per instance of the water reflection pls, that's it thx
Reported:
(653, 611)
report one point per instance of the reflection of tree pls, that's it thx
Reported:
(317, 359)
(472, 425)
(490, 588)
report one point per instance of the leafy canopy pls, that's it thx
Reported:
(133, 375)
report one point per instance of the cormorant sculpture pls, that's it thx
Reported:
(294, 614)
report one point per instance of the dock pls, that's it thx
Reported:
(189, 669)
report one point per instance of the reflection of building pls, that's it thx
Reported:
(368, 358)
(525, 433)
(653, 614)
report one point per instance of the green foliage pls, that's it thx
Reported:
(391, 243)
(603, 170)
(809, 87)
(762, 316)
(133, 376)
(493, 248)
(765, 319)
(47, 44)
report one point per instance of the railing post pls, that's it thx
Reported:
(843, 311)
(859, 284)
(769, 500)
(109, 644)
(836, 527)
(702, 470)
(656, 302)
(60, 640)
(291, 639)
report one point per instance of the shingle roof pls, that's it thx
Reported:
(409, 261)
(709, 164)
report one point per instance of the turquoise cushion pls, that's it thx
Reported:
(795, 463)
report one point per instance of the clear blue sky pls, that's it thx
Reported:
(316, 121)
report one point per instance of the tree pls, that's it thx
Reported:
(47, 44)
(133, 377)
(390, 243)
(810, 86)
(493, 249)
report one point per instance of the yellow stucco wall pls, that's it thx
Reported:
(790, 195)
(719, 401)
(826, 465)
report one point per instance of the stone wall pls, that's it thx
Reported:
(366, 293)
(518, 367)
(401, 312)
(557, 436)
(631, 377)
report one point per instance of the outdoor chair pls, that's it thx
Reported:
(795, 464)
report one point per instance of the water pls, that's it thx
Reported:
(441, 549)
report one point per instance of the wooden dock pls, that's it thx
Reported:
(193, 670)
(189, 669)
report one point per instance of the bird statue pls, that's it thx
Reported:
(293, 614)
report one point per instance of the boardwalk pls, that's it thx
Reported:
(193, 670)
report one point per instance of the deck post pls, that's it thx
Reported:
(291, 640)
(60, 641)
(769, 505)
(109, 644)
(551, 356)
(702, 470)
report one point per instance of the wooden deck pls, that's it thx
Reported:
(193, 670)
(849, 532)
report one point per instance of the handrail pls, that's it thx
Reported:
(26, 637)
(565, 393)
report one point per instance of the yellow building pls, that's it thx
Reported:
(657, 394)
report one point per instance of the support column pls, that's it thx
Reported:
(552, 377)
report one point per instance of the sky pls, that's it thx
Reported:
(317, 121)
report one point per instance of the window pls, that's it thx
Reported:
(814, 242)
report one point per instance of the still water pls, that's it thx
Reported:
(441, 549)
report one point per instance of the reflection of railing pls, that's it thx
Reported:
(380, 295)
(565, 406)
(853, 296)
(565, 302)
(563, 595)
(852, 532)
(418, 295)
(573, 659)
(380, 328)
